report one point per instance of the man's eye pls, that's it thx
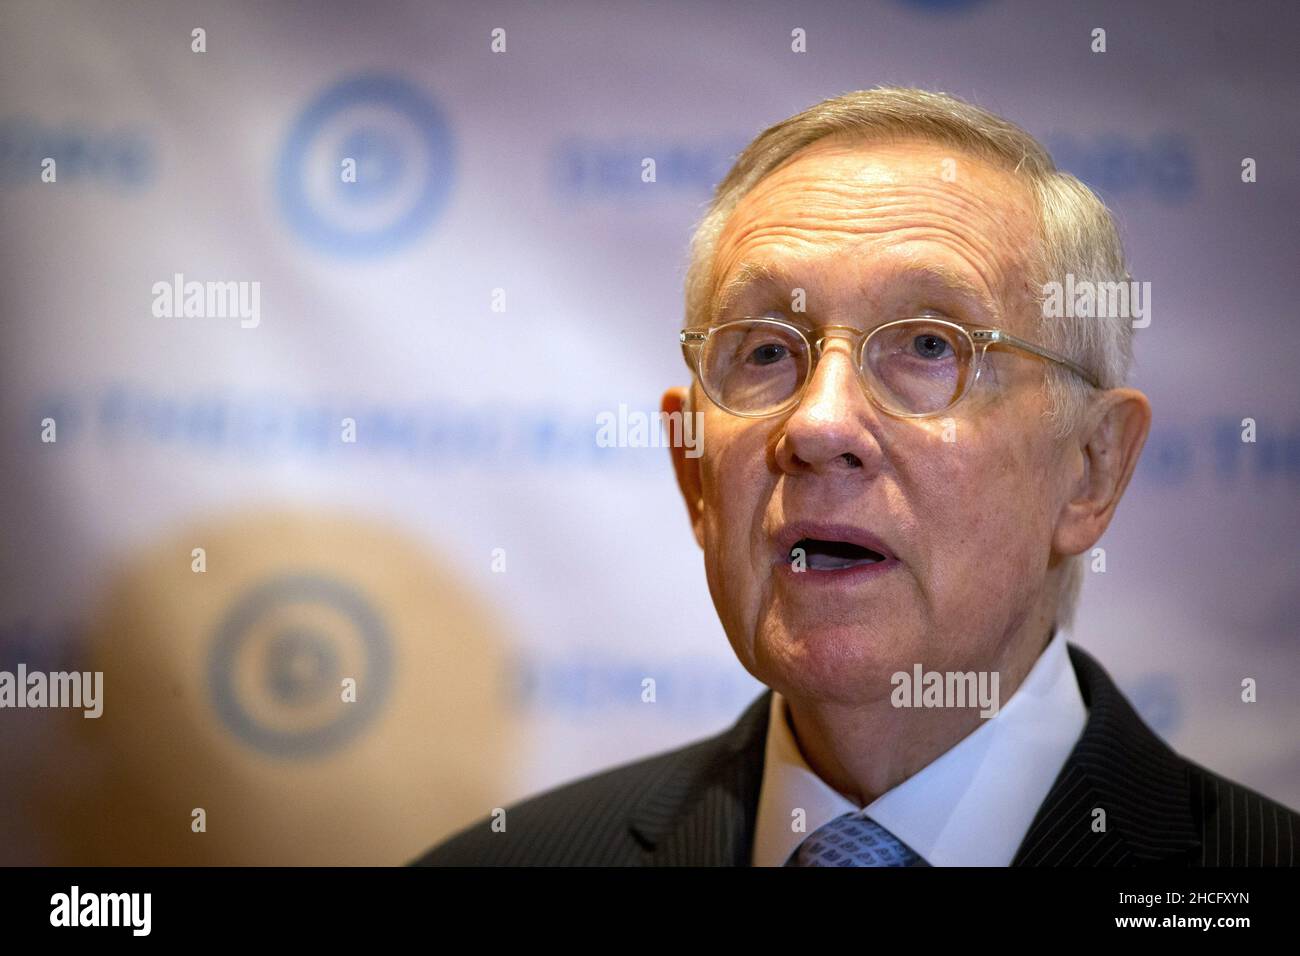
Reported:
(768, 354)
(930, 346)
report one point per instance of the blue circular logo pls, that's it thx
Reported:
(367, 167)
(280, 657)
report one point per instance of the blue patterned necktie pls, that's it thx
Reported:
(854, 839)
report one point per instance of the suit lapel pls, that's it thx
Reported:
(1121, 767)
(702, 811)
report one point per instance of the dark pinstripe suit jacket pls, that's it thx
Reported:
(696, 806)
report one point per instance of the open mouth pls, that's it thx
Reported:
(820, 555)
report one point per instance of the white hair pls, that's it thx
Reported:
(1077, 233)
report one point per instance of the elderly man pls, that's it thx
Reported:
(905, 462)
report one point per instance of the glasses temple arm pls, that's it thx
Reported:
(991, 336)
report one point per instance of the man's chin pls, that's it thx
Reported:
(833, 662)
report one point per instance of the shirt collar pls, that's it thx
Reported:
(971, 806)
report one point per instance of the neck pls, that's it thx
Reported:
(864, 750)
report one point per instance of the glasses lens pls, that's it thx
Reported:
(752, 367)
(918, 367)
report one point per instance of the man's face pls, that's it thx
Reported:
(873, 233)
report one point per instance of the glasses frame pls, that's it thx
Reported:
(694, 339)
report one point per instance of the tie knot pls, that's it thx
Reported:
(854, 839)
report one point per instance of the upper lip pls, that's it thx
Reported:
(793, 532)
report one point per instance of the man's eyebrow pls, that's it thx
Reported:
(757, 274)
(936, 273)
(750, 274)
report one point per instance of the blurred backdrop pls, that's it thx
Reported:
(494, 276)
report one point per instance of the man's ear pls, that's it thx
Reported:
(678, 399)
(1109, 446)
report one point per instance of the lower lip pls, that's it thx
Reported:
(858, 573)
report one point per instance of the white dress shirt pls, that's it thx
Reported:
(972, 806)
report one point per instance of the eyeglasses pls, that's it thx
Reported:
(911, 368)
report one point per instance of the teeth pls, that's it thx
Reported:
(830, 562)
(832, 555)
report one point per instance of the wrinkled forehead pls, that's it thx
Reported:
(873, 222)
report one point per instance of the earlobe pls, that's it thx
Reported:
(686, 467)
(1111, 446)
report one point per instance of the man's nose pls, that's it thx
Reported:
(832, 427)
